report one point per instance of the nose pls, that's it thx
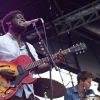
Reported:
(22, 19)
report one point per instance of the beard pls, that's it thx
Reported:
(18, 28)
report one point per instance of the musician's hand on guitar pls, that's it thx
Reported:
(61, 56)
(8, 74)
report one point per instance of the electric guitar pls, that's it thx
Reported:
(22, 66)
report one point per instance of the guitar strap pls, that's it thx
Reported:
(29, 52)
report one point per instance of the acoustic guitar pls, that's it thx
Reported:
(22, 67)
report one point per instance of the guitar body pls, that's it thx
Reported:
(8, 88)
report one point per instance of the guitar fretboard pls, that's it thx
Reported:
(43, 60)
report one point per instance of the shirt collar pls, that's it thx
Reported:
(10, 35)
(75, 89)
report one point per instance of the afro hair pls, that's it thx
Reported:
(8, 17)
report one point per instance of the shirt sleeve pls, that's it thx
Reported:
(90, 92)
(67, 95)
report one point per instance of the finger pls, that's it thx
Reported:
(10, 74)
(61, 56)
(11, 71)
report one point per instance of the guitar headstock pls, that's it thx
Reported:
(78, 47)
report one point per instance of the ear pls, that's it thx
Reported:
(81, 81)
(8, 23)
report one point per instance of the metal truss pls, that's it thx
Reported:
(78, 18)
(67, 77)
(71, 21)
(64, 24)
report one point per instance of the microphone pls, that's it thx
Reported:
(27, 23)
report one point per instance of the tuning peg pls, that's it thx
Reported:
(83, 51)
(77, 53)
(80, 43)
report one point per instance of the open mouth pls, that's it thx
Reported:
(22, 23)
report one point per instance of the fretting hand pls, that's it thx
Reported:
(61, 56)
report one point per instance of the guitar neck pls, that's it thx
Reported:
(43, 60)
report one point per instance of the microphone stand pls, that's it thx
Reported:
(51, 61)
